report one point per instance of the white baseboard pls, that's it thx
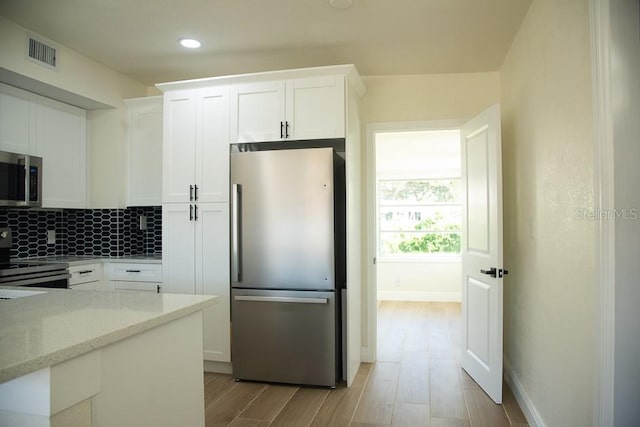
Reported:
(419, 296)
(218, 367)
(528, 408)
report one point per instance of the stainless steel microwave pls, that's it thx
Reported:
(20, 180)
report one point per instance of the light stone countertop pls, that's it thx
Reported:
(88, 259)
(42, 330)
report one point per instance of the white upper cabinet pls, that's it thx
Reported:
(17, 120)
(306, 108)
(257, 112)
(179, 146)
(61, 141)
(33, 124)
(212, 150)
(196, 154)
(145, 151)
(315, 108)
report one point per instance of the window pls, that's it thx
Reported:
(419, 216)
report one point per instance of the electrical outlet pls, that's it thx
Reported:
(51, 237)
(143, 222)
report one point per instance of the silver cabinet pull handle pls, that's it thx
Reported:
(283, 299)
(235, 232)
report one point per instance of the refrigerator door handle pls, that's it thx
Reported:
(283, 299)
(235, 233)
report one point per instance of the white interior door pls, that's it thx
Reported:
(482, 268)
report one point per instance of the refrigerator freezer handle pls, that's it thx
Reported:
(294, 300)
(235, 233)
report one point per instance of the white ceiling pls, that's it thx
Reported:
(139, 37)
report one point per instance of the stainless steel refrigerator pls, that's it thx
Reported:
(288, 264)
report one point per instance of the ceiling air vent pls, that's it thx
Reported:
(42, 52)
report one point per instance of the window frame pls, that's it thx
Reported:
(414, 257)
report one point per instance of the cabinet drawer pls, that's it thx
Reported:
(85, 273)
(137, 272)
(137, 286)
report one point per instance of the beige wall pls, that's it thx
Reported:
(429, 96)
(105, 128)
(548, 180)
(419, 281)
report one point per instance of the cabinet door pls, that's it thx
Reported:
(16, 120)
(61, 142)
(315, 108)
(179, 144)
(178, 248)
(212, 277)
(145, 153)
(212, 162)
(257, 112)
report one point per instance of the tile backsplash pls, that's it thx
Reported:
(95, 232)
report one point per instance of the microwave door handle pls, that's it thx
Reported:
(24, 160)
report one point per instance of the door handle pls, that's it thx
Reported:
(191, 192)
(293, 300)
(190, 212)
(281, 130)
(195, 217)
(491, 272)
(286, 132)
(235, 232)
(195, 193)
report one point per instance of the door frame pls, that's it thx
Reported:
(369, 344)
(604, 192)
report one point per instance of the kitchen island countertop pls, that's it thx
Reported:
(57, 325)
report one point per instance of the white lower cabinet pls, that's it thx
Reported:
(195, 260)
(86, 277)
(136, 277)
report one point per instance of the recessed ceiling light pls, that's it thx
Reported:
(341, 4)
(190, 43)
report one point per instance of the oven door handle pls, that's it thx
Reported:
(38, 280)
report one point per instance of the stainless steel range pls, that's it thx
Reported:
(29, 274)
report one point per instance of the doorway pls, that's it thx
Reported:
(414, 216)
(400, 226)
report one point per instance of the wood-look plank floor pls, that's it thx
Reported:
(417, 381)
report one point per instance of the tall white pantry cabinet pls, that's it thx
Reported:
(201, 118)
(195, 211)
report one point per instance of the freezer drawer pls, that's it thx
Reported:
(284, 336)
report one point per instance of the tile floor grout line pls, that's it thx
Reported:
(221, 396)
(249, 403)
(284, 406)
(319, 407)
(364, 386)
